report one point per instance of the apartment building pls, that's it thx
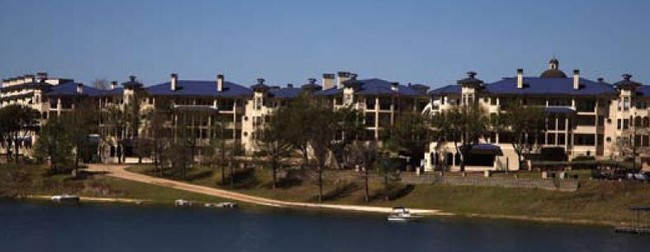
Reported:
(583, 117)
(379, 100)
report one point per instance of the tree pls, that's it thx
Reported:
(133, 120)
(629, 144)
(85, 122)
(523, 122)
(387, 164)
(273, 144)
(321, 136)
(409, 134)
(365, 154)
(55, 145)
(462, 124)
(5, 132)
(349, 128)
(17, 121)
(101, 84)
(115, 128)
(298, 115)
(220, 150)
(158, 129)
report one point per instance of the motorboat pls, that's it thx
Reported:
(183, 203)
(65, 198)
(401, 214)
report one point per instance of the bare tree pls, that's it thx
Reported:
(273, 144)
(101, 84)
(365, 155)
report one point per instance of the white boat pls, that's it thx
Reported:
(65, 198)
(183, 203)
(401, 214)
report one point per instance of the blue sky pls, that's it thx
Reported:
(431, 42)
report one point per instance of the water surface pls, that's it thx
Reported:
(50, 227)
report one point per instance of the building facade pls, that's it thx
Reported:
(583, 117)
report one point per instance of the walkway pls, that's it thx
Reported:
(118, 171)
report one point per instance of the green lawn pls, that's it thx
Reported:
(594, 201)
(34, 180)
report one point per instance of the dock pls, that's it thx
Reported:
(632, 230)
(640, 225)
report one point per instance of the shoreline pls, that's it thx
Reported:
(90, 199)
(120, 172)
(518, 218)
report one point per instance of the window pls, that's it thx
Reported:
(584, 139)
(587, 105)
(618, 124)
(626, 124)
(384, 103)
(585, 120)
(225, 104)
(550, 123)
(626, 103)
(384, 120)
(370, 120)
(550, 139)
(559, 102)
(561, 123)
(370, 103)
(258, 103)
(560, 138)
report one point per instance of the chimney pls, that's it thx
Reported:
(220, 83)
(42, 76)
(601, 80)
(289, 85)
(80, 88)
(174, 81)
(113, 85)
(520, 78)
(342, 77)
(576, 79)
(29, 78)
(328, 81)
(394, 86)
(260, 81)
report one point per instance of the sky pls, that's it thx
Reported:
(429, 42)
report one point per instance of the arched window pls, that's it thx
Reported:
(646, 122)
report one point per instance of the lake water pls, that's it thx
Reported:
(48, 227)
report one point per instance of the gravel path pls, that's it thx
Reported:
(118, 171)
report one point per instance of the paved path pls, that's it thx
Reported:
(118, 171)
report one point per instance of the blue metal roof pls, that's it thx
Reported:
(329, 92)
(284, 92)
(70, 89)
(538, 86)
(550, 86)
(375, 87)
(199, 88)
(643, 90)
(114, 92)
(449, 89)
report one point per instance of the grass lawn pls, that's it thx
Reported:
(33, 180)
(594, 200)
